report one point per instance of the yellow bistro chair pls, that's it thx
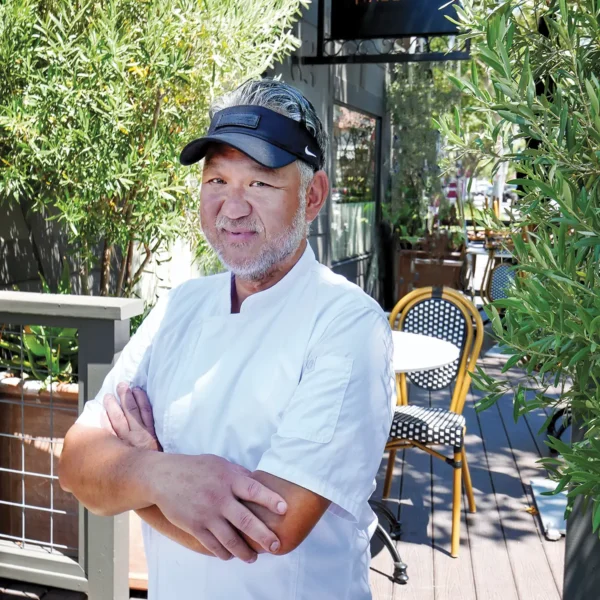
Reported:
(442, 313)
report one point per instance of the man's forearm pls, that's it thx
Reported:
(155, 518)
(106, 475)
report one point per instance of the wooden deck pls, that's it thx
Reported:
(504, 554)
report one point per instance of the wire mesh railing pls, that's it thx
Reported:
(38, 404)
(55, 351)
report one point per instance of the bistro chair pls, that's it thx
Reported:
(497, 281)
(442, 313)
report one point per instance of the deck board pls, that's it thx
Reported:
(530, 567)
(453, 576)
(492, 570)
(415, 545)
(524, 451)
(503, 554)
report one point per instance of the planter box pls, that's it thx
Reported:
(37, 426)
(582, 548)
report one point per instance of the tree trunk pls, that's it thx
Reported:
(105, 277)
(84, 278)
(125, 269)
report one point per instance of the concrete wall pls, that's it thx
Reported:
(30, 243)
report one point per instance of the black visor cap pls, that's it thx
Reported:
(269, 138)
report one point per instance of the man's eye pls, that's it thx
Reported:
(259, 184)
(216, 180)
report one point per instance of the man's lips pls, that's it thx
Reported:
(239, 234)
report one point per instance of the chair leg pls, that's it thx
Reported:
(389, 473)
(467, 480)
(457, 492)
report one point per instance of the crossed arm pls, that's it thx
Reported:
(202, 502)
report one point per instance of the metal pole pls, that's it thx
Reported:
(321, 29)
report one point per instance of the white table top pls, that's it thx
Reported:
(416, 352)
(480, 250)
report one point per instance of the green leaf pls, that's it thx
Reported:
(457, 120)
(563, 123)
(511, 362)
(518, 403)
(579, 355)
(525, 74)
(496, 322)
(474, 74)
(491, 59)
(531, 95)
(595, 326)
(510, 34)
(563, 10)
(567, 197)
(512, 117)
(559, 445)
(36, 346)
(592, 96)
(500, 47)
(560, 487)
(541, 185)
(506, 90)
(571, 130)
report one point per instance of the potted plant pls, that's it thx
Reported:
(543, 117)
(417, 94)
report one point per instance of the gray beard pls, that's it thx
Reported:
(272, 253)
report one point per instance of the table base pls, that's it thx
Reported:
(388, 539)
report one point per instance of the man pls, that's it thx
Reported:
(269, 388)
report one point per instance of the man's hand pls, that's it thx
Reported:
(200, 495)
(132, 421)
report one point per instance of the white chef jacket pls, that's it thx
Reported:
(298, 384)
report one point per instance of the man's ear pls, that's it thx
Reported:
(316, 195)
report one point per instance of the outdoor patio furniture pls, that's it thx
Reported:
(497, 281)
(493, 255)
(412, 352)
(442, 313)
(418, 352)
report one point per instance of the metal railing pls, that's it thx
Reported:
(46, 536)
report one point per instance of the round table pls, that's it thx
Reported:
(416, 352)
(481, 251)
(412, 352)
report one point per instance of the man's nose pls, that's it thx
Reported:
(235, 206)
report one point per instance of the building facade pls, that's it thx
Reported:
(351, 100)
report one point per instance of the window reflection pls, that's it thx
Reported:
(353, 188)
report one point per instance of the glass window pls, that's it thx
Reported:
(353, 185)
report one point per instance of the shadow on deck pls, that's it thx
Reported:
(503, 553)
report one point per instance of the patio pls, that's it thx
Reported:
(503, 552)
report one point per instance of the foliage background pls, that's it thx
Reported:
(543, 59)
(97, 99)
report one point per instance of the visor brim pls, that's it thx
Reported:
(263, 152)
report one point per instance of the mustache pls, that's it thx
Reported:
(245, 223)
